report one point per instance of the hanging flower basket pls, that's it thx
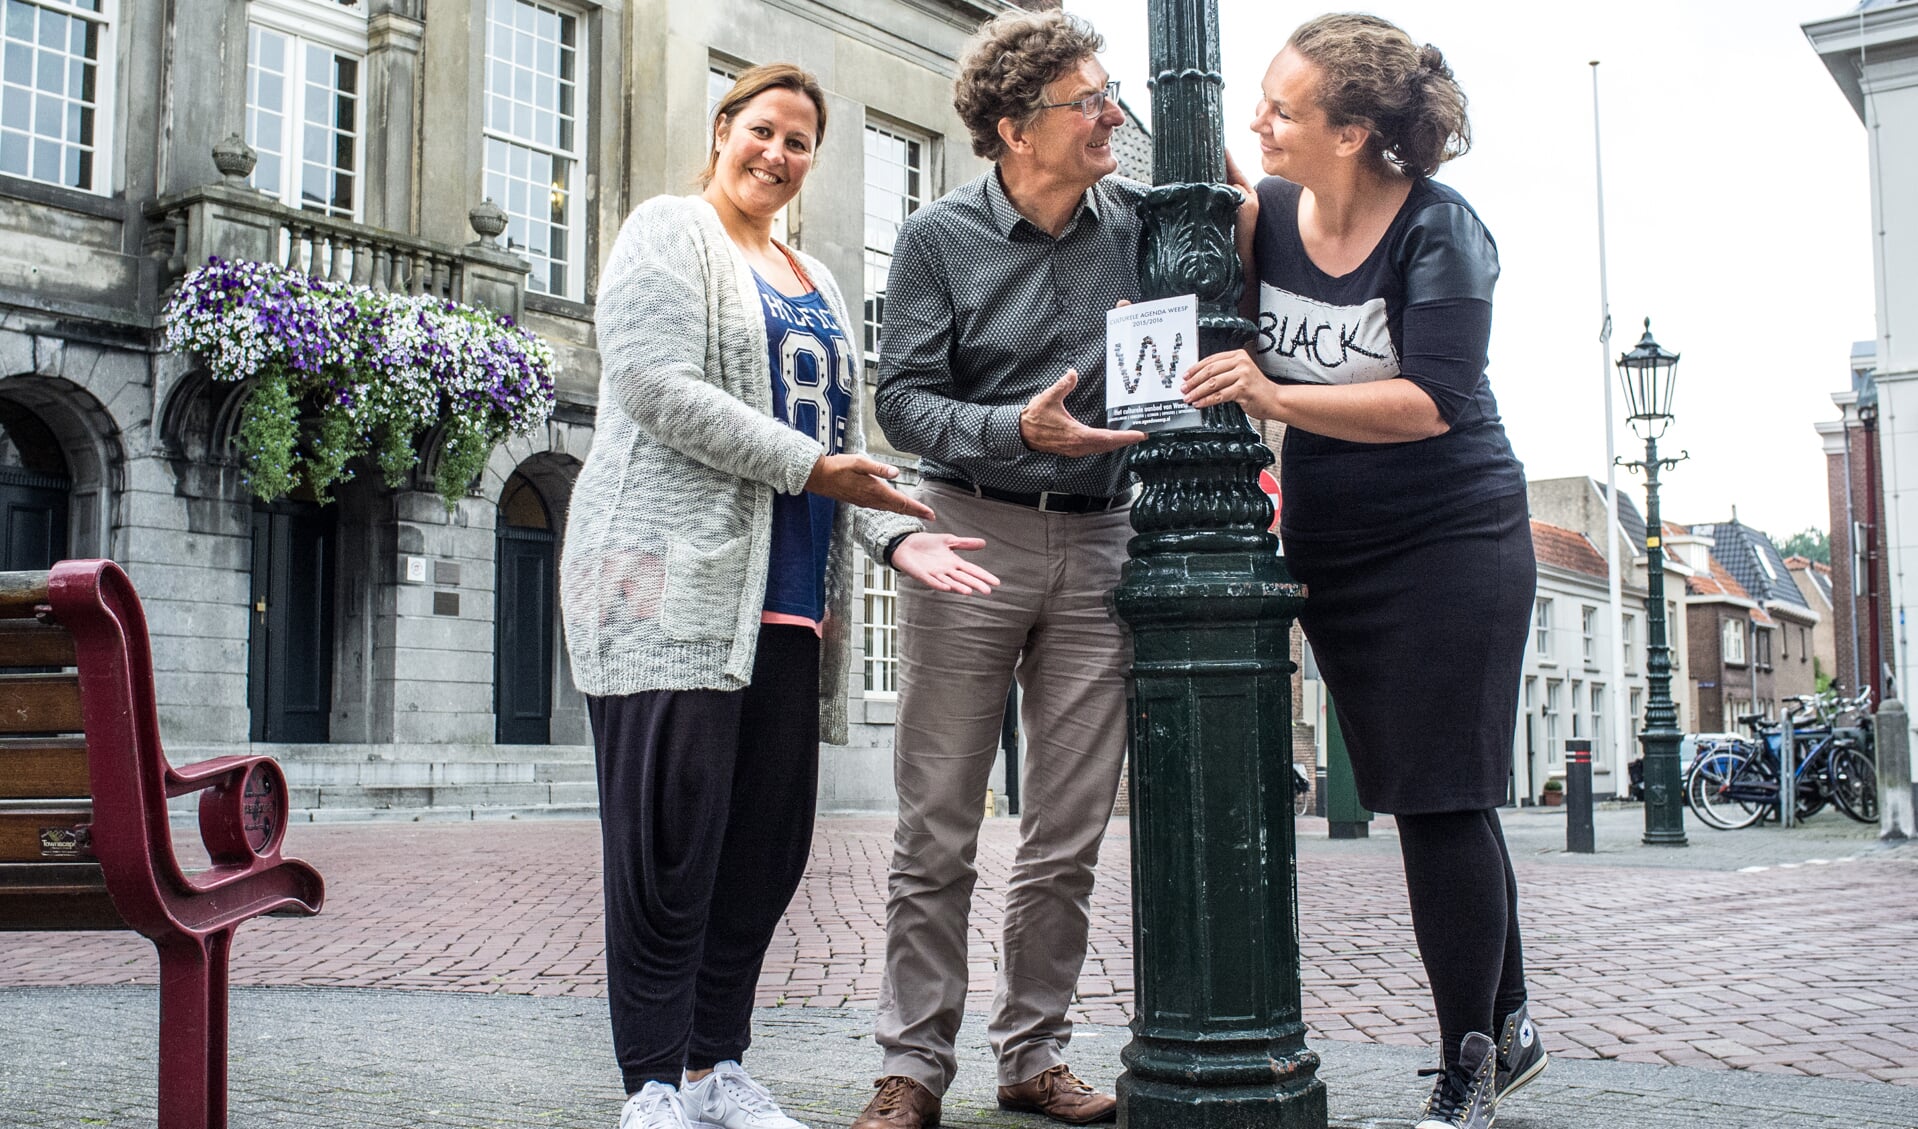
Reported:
(341, 371)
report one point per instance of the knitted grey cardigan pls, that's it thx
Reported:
(663, 575)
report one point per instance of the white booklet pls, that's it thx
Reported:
(1149, 345)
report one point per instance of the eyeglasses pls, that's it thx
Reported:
(1092, 105)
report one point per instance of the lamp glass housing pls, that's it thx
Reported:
(1650, 375)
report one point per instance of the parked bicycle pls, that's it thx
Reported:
(1734, 782)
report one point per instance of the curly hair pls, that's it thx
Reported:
(1375, 76)
(751, 83)
(1005, 68)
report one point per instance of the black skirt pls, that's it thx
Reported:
(1420, 638)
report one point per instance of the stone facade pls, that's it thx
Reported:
(1871, 52)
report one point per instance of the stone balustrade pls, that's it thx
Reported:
(234, 221)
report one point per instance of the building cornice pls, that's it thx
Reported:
(1884, 35)
(964, 16)
(1832, 434)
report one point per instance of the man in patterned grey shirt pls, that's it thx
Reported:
(991, 369)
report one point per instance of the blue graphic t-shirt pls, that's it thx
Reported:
(812, 367)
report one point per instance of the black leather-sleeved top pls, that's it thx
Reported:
(1419, 307)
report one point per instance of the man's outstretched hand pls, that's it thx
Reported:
(1045, 425)
(933, 560)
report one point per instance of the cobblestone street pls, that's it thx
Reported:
(1784, 952)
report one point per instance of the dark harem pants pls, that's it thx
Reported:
(706, 814)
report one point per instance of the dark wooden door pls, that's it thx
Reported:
(290, 661)
(33, 519)
(523, 637)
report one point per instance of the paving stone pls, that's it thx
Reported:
(1789, 981)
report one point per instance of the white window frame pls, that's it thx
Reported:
(1549, 712)
(879, 585)
(1542, 628)
(1578, 694)
(577, 156)
(335, 27)
(1601, 737)
(1731, 636)
(889, 129)
(1628, 628)
(1588, 625)
(106, 74)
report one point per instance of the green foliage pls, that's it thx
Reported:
(1820, 677)
(462, 454)
(340, 372)
(1810, 542)
(269, 431)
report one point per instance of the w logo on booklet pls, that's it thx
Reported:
(1133, 374)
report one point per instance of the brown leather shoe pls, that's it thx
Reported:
(901, 1103)
(1060, 1095)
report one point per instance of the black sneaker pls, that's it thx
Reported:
(1463, 1096)
(1521, 1054)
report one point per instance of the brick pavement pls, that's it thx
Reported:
(307, 1057)
(1793, 969)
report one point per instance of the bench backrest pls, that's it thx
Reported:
(49, 877)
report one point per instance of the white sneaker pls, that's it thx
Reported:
(656, 1106)
(728, 1098)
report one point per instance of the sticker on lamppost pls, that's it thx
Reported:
(1149, 345)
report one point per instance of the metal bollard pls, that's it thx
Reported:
(1345, 817)
(1897, 795)
(1579, 836)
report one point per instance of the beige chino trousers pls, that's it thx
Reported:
(1047, 623)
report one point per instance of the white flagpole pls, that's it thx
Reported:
(1620, 729)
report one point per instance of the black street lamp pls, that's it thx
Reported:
(1649, 374)
(1218, 1035)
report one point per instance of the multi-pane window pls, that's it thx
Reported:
(1638, 709)
(1601, 737)
(895, 188)
(1732, 634)
(304, 110)
(1588, 628)
(54, 91)
(880, 608)
(718, 81)
(1553, 691)
(1542, 629)
(1761, 646)
(1628, 630)
(1578, 695)
(535, 138)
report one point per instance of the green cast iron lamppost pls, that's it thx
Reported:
(1218, 1036)
(1649, 374)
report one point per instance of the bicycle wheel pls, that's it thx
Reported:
(1854, 784)
(1706, 790)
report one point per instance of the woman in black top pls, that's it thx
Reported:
(1405, 510)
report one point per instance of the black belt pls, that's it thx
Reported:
(1050, 501)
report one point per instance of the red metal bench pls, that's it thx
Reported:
(84, 839)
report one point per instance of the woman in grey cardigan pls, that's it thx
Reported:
(706, 585)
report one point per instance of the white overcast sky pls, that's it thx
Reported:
(1737, 197)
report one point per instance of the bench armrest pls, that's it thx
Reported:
(205, 774)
